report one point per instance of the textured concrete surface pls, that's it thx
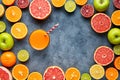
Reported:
(72, 44)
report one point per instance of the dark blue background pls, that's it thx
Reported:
(72, 44)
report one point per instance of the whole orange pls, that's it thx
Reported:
(8, 59)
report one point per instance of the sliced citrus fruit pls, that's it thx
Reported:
(103, 55)
(72, 73)
(97, 71)
(117, 62)
(70, 6)
(20, 72)
(81, 2)
(39, 39)
(8, 2)
(40, 11)
(13, 13)
(101, 23)
(5, 74)
(2, 10)
(111, 73)
(23, 3)
(19, 30)
(58, 3)
(116, 49)
(23, 55)
(2, 26)
(35, 76)
(116, 17)
(53, 73)
(86, 76)
(116, 3)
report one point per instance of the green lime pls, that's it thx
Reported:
(116, 49)
(70, 6)
(2, 26)
(85, 76)
(23, 55)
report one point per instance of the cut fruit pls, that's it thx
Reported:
(23, 3)
(116, 3)
(87, 11)
(100, 23)
(19, 30)
(103, 55)
(20, 72)
(72, 74)
(111, 73)
(81, 2)
(58, 3)
(2, 26)
(13, 13)
(39, 39)
(70, 6)
(35, 76)
(40, 11)
(53, 73)
(5, 74)
(97, 71)
(2, 10)
(116, 49)
(117, 63)
(86, 76)
(23, 55)
(116, 17)
(8, 2)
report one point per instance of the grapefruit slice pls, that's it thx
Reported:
(40, 9)
(53, 73)
(100, 23)
(22, 3)
(5, 74)
(103, 55)
(87, 11)
(116, 3)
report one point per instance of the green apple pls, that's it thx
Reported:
(6, 41)
(101, 5)
(114, 36)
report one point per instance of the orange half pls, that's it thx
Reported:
(58, 3)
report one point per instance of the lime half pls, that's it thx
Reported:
(23, 55)
(116, 49)
(70, 6)
(85, 76)
(2, 26)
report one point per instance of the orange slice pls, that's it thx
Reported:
(20, 72)
(81, 2)
(117, 63)
(35, 76)
(112, 74)
(39, 39)
(72, 74)
(2, 10)
(13, 13)
(19, 30)
(116, 17)
(58, 3)
(8, 2)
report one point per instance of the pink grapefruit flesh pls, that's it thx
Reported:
(22, 3)
(103, 55)
(53, 73)
(40, 9)
(100, 23)
(116, 3)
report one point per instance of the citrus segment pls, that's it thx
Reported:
(35, 76)
(13, 13)
(8, 2)
(116, 49)
(39, 39)
(8, 59)
(53, 73)
(2, 10)
(19, 30)
(22, 3)
(20, 72)
(103, 55)
(86, 76)
(111, 73)
(23, 55)
(72, 74)
(116, 17)
(81, 2)
(100, 23)
(2, 26)
(58, 3)
(97, 71)
(117, 63)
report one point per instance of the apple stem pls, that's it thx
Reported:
(53, 28)
(101, 1)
